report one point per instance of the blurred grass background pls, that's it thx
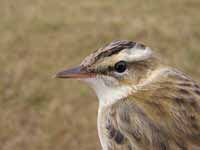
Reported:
(40, 37)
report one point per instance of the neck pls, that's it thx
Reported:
(109, 95)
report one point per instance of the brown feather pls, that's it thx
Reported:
(165, 115)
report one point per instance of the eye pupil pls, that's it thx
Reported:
(120, 66)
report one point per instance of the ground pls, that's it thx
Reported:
(41, 37)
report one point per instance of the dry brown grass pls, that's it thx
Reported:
(41, 37)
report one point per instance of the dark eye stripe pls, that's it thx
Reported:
(119, 67)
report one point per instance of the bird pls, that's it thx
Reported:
(144, 103)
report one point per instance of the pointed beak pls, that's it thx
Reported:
(77, 72)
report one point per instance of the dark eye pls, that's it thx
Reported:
(120, 66)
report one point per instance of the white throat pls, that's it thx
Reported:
(106, 93)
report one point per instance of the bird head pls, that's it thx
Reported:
(115, 70)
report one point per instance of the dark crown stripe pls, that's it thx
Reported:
(115, 47)
(109, 50)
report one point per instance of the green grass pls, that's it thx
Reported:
(38, 38)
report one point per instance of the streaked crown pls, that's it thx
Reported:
(128, 50)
